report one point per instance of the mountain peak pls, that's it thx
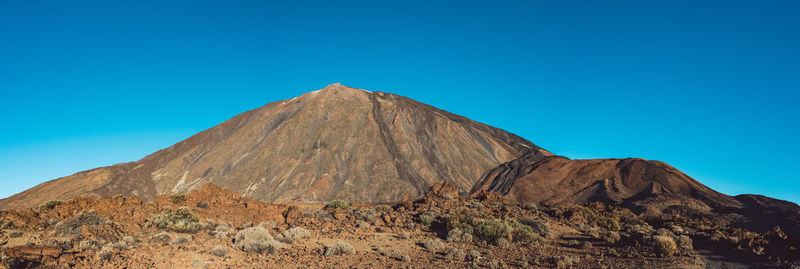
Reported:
(338, 87)
(337, 142)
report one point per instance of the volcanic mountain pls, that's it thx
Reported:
(335, 143)
(647, 187)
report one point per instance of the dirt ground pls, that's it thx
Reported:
(124, 232)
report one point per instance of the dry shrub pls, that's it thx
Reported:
(458, 236)
(433, 245)
(294, 234)
(456, 254)
(257, 240)
(665, 245)
(220, 251)
(50, 205)
(340, 248)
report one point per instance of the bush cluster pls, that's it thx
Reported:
(426, 219)
(338, 204)
(294, 234)
(220, 251)
(256, 239)
(665, 245)
(479, 225)
(50, 205)
(181, 221)
(177, 198)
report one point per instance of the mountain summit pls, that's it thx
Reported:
(334, 143)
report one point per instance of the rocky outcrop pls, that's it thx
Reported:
(559, 180)
(646, 187)
(334, 143)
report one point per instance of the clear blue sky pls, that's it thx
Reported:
(709, 87)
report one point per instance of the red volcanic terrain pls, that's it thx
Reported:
(344, 177)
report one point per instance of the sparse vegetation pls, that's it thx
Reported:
(221, 231)
(340, 248)
(203, 205)
(458, 236)
(294, 234)
(684, 243)
(162, 236)
(338, 204)
(87, 245)
(433, 245)
(182, 220)
(607, 223)
(665, 245)
(566, 261)
(474, 255)
(50, 205)
(74, 225)
(509, 229)
(502, 243)
(220, 251)
(383, 208)
(105, 253)
(177, 198)
(181, 240)
(257, 240)
(610, 237)
(456, 254)
(426, 219)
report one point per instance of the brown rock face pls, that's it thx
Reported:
(559, 180)
(334, 143)
(648, 187)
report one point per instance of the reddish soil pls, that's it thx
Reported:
(381, 235)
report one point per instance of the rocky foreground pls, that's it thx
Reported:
(216, 228)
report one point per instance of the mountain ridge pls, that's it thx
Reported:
(336, 142)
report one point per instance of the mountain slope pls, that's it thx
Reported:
(647, 187)
(337, 142)
(559, 180)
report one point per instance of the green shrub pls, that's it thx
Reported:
(177, 198)
(465, 219)
(537, 226)
(425, 219)
(50, 205)
(494, 229)
(338, 204)
(182, 220)
(607, 223)
(524, 233)
(203, 205)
